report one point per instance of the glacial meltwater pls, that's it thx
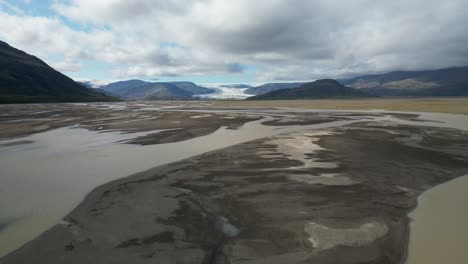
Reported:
(45, 175)
(44, 180)
(438, 227)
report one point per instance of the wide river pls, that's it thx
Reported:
(42, 181)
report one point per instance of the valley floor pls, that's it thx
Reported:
(454, 105)
(334, 187)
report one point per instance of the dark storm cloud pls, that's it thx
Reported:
(343, 37)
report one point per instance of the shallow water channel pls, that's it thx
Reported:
(44, 180)
(438, 230)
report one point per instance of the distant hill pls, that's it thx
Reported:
(26, 79)
(99, 90)
(444, 82)
(191, 87)
(269, 87)
(90, 85)
(85, 84)
(167, 91)
(138, 89)
(326, 88)
(240, 86)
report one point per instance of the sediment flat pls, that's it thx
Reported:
(22, 120)
(332, 195)
(454, 105)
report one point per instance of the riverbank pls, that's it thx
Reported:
(330, 195)
(453, 105)
(39, 188)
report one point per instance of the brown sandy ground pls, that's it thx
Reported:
(335, 196)
(454, 105)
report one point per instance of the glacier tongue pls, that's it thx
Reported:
(223, 92)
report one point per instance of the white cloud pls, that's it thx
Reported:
(51, 40)
(282, 39)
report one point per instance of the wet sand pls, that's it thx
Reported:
(23, 120)
(38, 188)
(323, 195)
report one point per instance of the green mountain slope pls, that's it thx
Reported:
(326, 88)
(26, 79)
(270, 87)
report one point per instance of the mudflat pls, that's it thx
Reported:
(331, 195)
(22, 120)
(455, 105)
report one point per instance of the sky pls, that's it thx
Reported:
(241, 41)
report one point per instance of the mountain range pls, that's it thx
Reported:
(26, 79)
(138, 89)
(325, 88)
(239, 86)
(269, 87)
(443, 82)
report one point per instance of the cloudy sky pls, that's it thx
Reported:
(237, 41)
